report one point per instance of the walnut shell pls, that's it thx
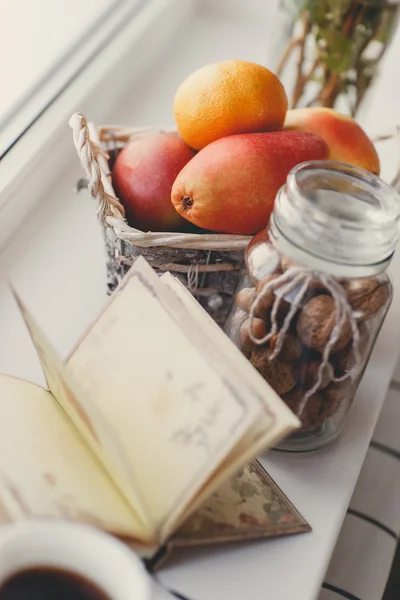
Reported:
(344, 360)
(286, 263)
(245, 298)
(280, 374)
(336, 393)
(367, 295)
(308, 374)
(283, 310)
(316, 322)
(291, 347)
(265, 304)
(266, 301)
(315, 411)
(259, 331)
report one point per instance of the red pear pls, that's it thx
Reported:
(347, 142)
(230, 186)
(143, 175)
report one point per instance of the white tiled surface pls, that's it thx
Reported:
(159, 593)
(377, 492)
(360, 563)
(328, 595)
(387, 431)
(363, 556)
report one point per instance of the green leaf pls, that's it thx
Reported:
(339, 51)
(328, 12)
(338, 10)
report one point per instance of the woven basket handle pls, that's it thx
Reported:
(94, 162)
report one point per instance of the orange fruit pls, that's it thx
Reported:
(233, 96)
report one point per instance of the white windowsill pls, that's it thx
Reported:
(56, 261)
(41, 156)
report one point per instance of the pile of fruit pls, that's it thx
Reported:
(235, 146)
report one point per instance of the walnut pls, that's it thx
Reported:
(280, 374)
(367, 295)
(259, 331)
(308, 374)
(266, 301)
(291, 347)
(245, 298)
(315, 411)
(316, 322)
(344, 360)
(336, 393)
(286, 263)
(283, 310)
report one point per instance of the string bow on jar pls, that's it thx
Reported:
(319, 307)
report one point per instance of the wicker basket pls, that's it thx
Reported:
(208, 264)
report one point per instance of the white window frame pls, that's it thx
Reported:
(36, 96)
(36, 159)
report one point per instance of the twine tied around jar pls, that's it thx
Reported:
(297, 280)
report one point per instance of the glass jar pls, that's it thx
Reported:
(315, 292)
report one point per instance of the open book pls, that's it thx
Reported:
(152, 419)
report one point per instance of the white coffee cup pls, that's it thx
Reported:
(79, 549)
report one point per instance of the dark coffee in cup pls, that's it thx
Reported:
(49, 584)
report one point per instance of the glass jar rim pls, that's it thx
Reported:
(336, 214)
(391, 197)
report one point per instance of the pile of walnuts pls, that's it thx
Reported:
(295, 369)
